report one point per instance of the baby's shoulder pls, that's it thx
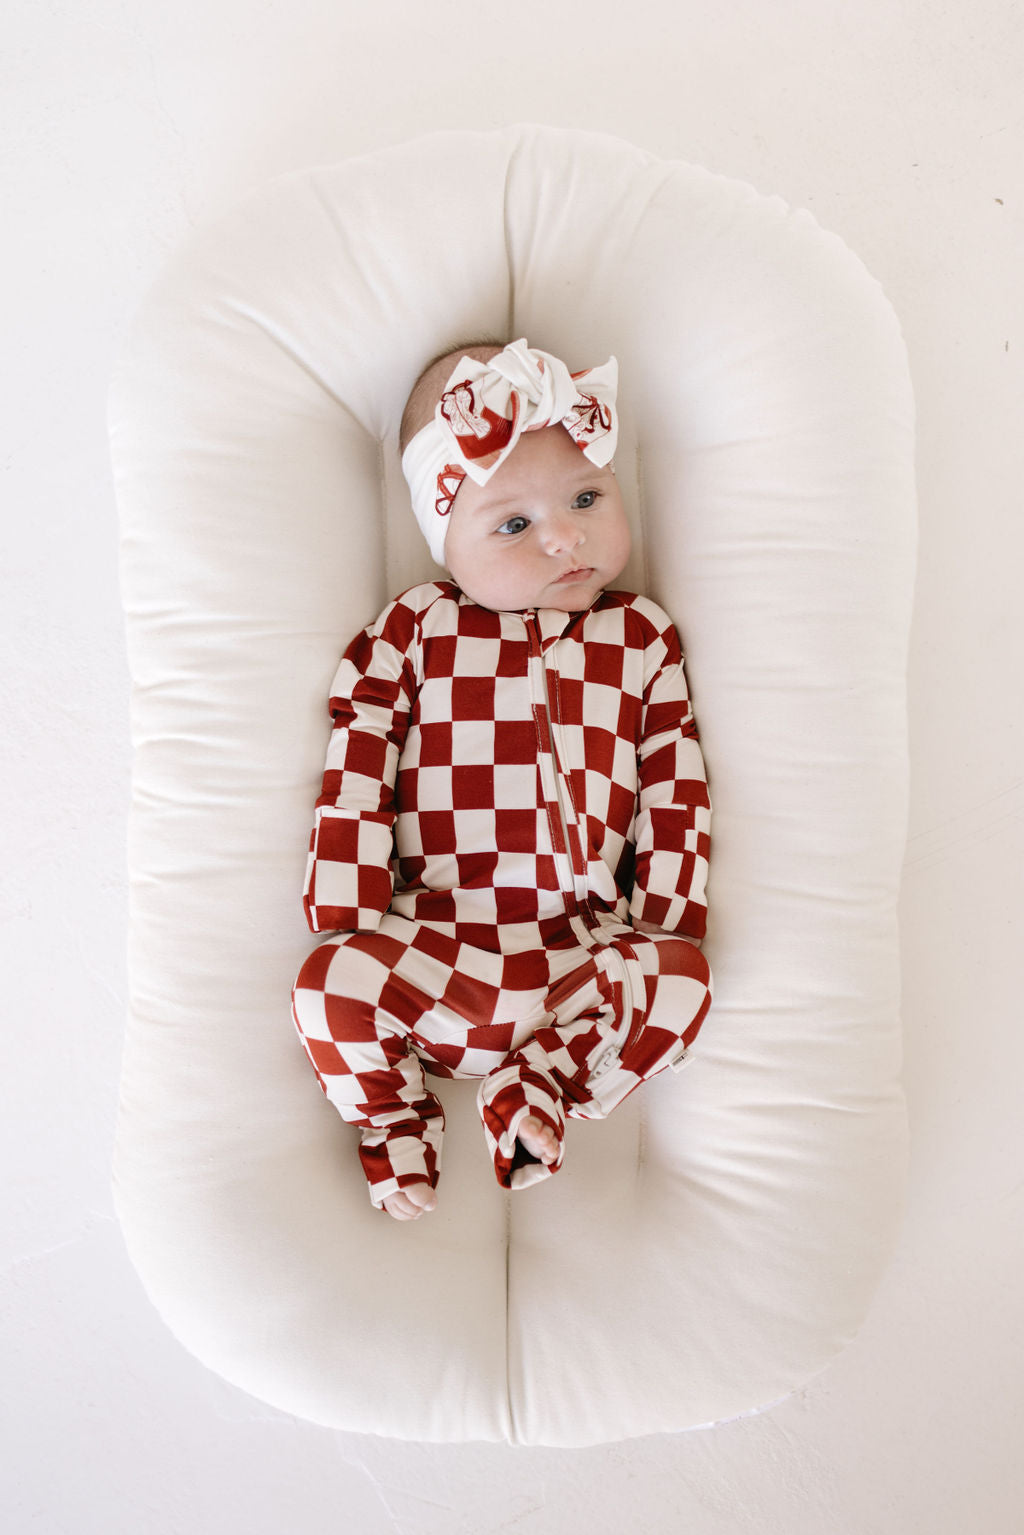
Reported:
(406, 614)
(643, 619)
(426, 595)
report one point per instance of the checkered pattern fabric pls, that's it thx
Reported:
(504, 794)
(589, 1024)
(493, 773)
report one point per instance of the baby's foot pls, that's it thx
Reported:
(538, 1139)
(410, 1203)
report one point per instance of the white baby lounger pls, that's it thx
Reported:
(714, 1243)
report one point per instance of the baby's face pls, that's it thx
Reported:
(548, 530)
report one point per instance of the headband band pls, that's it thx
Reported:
(483, 412)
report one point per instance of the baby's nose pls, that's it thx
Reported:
(564, 533)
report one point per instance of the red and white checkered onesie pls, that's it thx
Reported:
(504, 794)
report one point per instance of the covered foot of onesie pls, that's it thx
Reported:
(399, 1156)
(506, 1098)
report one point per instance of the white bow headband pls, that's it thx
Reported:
(484, 410)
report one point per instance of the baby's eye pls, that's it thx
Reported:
(585, 500)
(514, 525)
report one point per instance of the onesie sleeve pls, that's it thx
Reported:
(673, 821)
(348, 874)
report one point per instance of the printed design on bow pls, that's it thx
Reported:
(448, 482)
(588, 419)
(481, 434)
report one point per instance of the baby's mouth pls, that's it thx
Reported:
(578, 573)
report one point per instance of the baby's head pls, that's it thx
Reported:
(508, 458)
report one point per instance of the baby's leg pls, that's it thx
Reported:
(629, 1011)
(669, 981)
(355, 1017)
(523, 1100)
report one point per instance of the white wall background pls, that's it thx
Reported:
(900, 124)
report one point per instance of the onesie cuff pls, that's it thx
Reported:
(348, 874)
(505, 1099)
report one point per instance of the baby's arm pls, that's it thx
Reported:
(348, 875)
(672, 830)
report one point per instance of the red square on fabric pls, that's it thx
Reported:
(403, 1001)
(326, 1058)
(670, 714)
(692, 792)
(515, 830)
(515, 741)
(379, 1090)
(547, 876)
(599, 749)
(515, 906)
(437, 828)
(330, 789)
(473, 698)
(482, 623)
(439, 654)
(656, 908)
(480, 935)
(366, 754)
(476, 870)
(660, 766)
(379, 946)
(473, 787)
(313, 975)
(348, 1020)
(621, 806)
(470, 998)
(603, 663)
(514, 658)
(337, 839)
(438, 945)
(436, 744)
(369, 693)
(374, 885)
(629, 726)
(406, 789)
(524, 971)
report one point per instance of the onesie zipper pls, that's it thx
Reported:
(558, 823)
(568, 847)
(565, 830)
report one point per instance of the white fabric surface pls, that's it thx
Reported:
(715, 1243)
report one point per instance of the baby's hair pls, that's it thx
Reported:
(427, 390)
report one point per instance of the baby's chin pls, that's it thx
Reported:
(577, 604)
(560, 596)
(571, 596)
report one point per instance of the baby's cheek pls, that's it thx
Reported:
(623, 549)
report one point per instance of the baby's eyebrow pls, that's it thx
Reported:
(587, 478)
(498, 506)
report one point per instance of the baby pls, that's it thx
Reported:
(511, 843)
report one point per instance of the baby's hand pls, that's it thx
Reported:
(410, 1203)
(641, 926)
